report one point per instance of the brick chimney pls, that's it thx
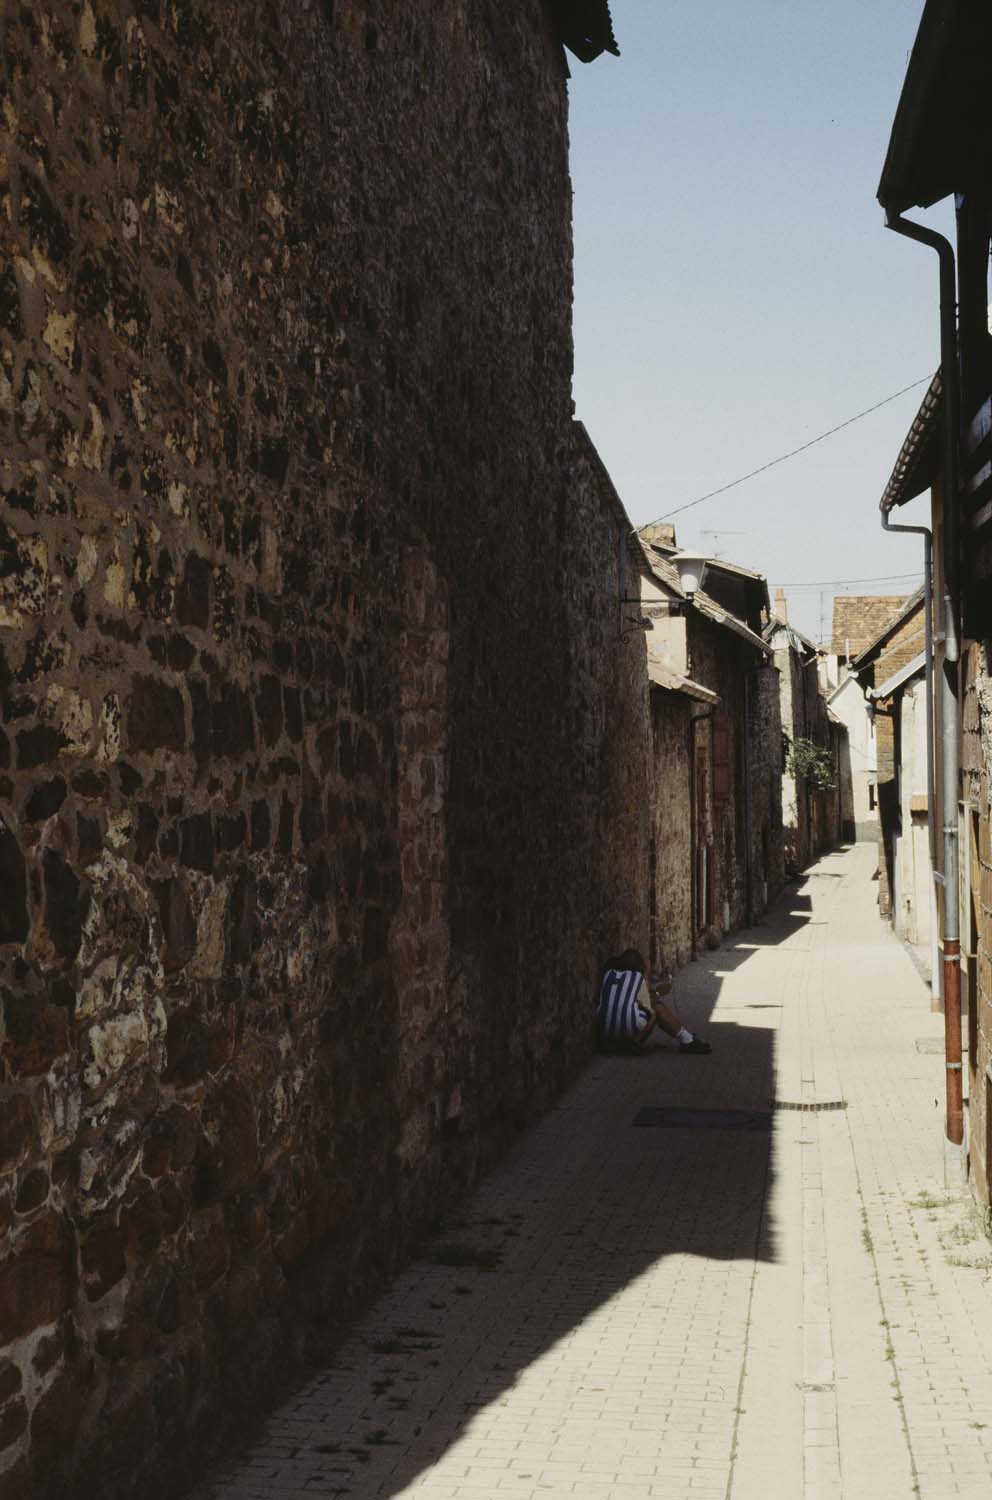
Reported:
(781, 608)
(659, 534)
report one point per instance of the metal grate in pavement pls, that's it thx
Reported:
(674, 1118)
(808, 1106)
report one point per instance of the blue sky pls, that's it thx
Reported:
(736, 291)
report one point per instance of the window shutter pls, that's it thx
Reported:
(721, 758)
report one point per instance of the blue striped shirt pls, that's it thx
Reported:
(618, 1014)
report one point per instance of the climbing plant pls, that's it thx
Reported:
(809, 762)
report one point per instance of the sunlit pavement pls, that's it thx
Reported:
(711, 1309)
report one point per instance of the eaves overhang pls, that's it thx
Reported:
(662, 676)
(585, 27)
(919, 457)
(898, 679)
(941, 141)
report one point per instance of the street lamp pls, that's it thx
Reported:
(691, 566)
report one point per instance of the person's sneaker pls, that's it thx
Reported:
(697, 1045)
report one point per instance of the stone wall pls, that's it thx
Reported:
(905, 642)
(671, 815)
(312, 683)
(976, 936)
(742, 728)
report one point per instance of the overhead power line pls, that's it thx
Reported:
(710, 494)
(846, 583)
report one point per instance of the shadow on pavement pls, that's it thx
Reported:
(585, 1206)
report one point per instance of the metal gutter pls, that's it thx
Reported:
(945, 586)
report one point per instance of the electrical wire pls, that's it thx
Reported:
(846, 583)
(791, 454)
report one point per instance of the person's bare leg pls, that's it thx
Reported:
(666, 1019)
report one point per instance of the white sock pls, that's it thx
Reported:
(684, 1036)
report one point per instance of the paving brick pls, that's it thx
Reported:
(688, 1314)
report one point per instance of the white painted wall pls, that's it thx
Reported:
(911, 855)
(848, 702)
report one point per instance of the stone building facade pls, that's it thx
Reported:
(893, 649)
(976, 927)
(311, 684)
(716, 810)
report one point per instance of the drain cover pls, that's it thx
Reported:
(808, 1107)
(704, 1119)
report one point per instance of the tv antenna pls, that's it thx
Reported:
(717, 533)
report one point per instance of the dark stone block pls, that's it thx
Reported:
(178, 924)
(244, 918)
(172, 1142)
(89, 837)
(129, 778)
(319, 879)
(45, 800)
(102, 1257)
(232, 831)
(193, 592)
(65, 906)
(32, 1191)
(13, 1422)
(273, 460)
(293, 712)
(156, 716)
(93, 785)
(37, 1033)
(197, 844)
(36, 1282)
(18, 1133)
(269, 707)
(352, 868)
(181, 653)
(11, 1380)
(346, 752)
(199, 697)
(311, 819)
(187, 1048)
(38, 746)
(367, 755)
(261, 826)
(55, 1420)
(375, 935)
(10, 307)
(13, 885)
(233, 726)
(145, 832)
(285, 836)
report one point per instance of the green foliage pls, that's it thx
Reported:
(809, 762)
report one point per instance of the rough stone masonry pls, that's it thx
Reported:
(308, 614)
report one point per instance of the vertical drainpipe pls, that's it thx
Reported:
(946, 584)
(924, 531)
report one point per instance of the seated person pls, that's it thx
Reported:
(628, 1009)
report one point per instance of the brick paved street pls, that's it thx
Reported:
(648, 1313)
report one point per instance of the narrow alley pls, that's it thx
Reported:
(640, 1303)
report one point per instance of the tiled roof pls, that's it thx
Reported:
(859, 619)
(876, 650)
(720, 616)
(919, 455)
